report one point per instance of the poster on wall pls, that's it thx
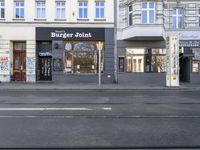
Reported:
(57, 64)
(4, 64)
(172, 71)
(30, 63)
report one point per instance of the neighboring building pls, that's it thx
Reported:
(55, 40)
(182, 17)
(141, 42)
(142, 30)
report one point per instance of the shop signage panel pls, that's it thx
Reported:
(76, 34)
(172, 74)
(189, 43)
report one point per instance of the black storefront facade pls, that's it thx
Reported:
(70, 55)
(190, 61)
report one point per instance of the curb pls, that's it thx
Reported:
(99, 89)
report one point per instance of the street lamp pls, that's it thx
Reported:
(100, 48)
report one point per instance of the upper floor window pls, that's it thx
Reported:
(19, 9)
(130, 15)
(2, 9)
(40, 9)
(100, 9)
(60, 10)
(148, 12)
(199, 17)
(83, 9)
(177, 18)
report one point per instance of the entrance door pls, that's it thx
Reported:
(45, 68)
(19, 68)
(184, 69)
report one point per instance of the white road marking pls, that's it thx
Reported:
(54, 109)
(88, 116)
(42, 109)
(106, 108)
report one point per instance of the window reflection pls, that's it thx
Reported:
(196, 60)
(81, 57)
(148, 60)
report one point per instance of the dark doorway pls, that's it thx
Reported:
(19, 61)
(44, 63)
(45, 68)
(121, 64)
(184, 68)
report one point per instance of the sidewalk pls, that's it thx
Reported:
(54, 86)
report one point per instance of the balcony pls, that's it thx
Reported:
(142, 32)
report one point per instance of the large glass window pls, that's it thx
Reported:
(146, 60)
(82, 57)
(19, 9)
(2, 9)
(83, 10)
(60, 10)
(130, 15)
(177, 18)
(40, 9)
(135, 60)
(158, 61)
(100, 10)
(148, 12)
(196, 60)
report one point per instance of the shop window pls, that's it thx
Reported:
(81, 57)
(196, 60)
(146, 60)
(135, 60)
(195, 66)
(158, 61)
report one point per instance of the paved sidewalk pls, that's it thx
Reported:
(54, 86)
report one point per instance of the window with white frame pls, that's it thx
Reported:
(40, 9)
(60, 10)
(2, 9)
(177, 18)
(199, 17)
(100, 9)
(19, 9)
(148, 12)
(83, 9)
(130, 15)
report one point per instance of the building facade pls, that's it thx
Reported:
(143, 27)
(56, 40)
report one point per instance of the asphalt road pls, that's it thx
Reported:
(100, 119)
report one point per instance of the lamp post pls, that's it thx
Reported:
(99, 47)
(115, 41)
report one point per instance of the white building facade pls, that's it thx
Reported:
(49, 40)
(142, 30)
